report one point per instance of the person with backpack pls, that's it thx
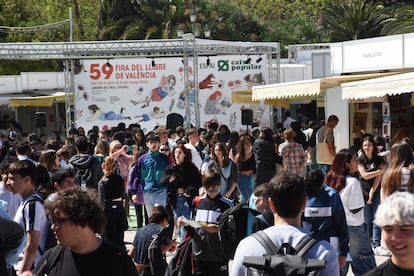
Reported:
(86, 167)
(77, 218)
(31, 214)
(144, 236)
(287, 202)
(209, 258)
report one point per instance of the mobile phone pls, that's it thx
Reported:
(130, 148)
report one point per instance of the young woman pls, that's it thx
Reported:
(183, 180)
(370, 168)
(227, 169)
(111, 190)
(399, 174)
(340, 177)
(49, 159)
(246, 163)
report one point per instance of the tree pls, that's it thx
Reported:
(402, 21)
(354, 19)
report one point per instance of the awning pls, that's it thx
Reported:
(245, 97)
(46, 101)
(306, 89)
(378, 87)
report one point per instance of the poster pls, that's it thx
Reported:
(145, 91)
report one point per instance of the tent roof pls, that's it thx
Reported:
(306, 89)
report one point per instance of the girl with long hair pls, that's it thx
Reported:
(111, 190)
(246, 163)
(399, 174)
(221, 163)
(184, 180)
(370, 168)
(341, 178)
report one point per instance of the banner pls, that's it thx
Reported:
(146, 91)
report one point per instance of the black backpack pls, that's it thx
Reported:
(182, 263)
(234, 225)
(285, 260)
(50, 236)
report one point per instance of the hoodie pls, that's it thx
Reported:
(87, 169)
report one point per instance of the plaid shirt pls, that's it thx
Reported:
(294, 157)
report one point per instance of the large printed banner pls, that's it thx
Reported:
(146, 92)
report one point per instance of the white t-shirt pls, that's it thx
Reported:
(279, 234)
(38, 222)
(352, 199)
(195, 156)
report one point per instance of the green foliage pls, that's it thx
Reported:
(354, 19)
(402, 21)
(297, 30)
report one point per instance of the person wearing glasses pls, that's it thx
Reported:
(77, 218)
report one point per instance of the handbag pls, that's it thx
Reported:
(323, 155)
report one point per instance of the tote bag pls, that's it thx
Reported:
(323, 156)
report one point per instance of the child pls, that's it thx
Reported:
(139, 250)
(208, 254)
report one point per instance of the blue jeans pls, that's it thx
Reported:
(245, 185)
(154, 198)
(373, 230)
(182, 209)
(363, 259)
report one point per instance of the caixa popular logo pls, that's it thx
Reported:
(236, 65)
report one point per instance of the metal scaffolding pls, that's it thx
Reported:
(187, 47)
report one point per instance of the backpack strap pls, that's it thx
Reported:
(305, 245)
(50, 261)
(32, 210)
(266, 242)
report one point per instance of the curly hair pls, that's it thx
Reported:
(82, 207)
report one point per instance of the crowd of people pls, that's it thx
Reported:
(82, 187)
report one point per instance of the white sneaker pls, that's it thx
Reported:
(381, 251)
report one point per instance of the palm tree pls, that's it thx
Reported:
(354, 19)
(403, 21)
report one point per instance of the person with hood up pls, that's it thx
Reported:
(87, 168)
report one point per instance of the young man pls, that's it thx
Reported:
(287, 202)
(324, 214)
(63, 179)
(30, 214)
(147, 172)
(395, 216)
(208, 254)
(143, 237)
(87, 169)
(326, 132)
(77, 218)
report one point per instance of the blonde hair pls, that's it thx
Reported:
(113, 144)
(109, 165)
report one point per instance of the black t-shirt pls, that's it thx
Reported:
(389, 269)
(107, 260)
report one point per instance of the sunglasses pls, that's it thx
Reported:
(162, 150)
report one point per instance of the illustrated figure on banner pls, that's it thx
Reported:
(215, 105)
(97, 114)
(182, 98)
(164, 89)
(254, 79)
(156, 113)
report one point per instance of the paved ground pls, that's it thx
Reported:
(130, 234)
